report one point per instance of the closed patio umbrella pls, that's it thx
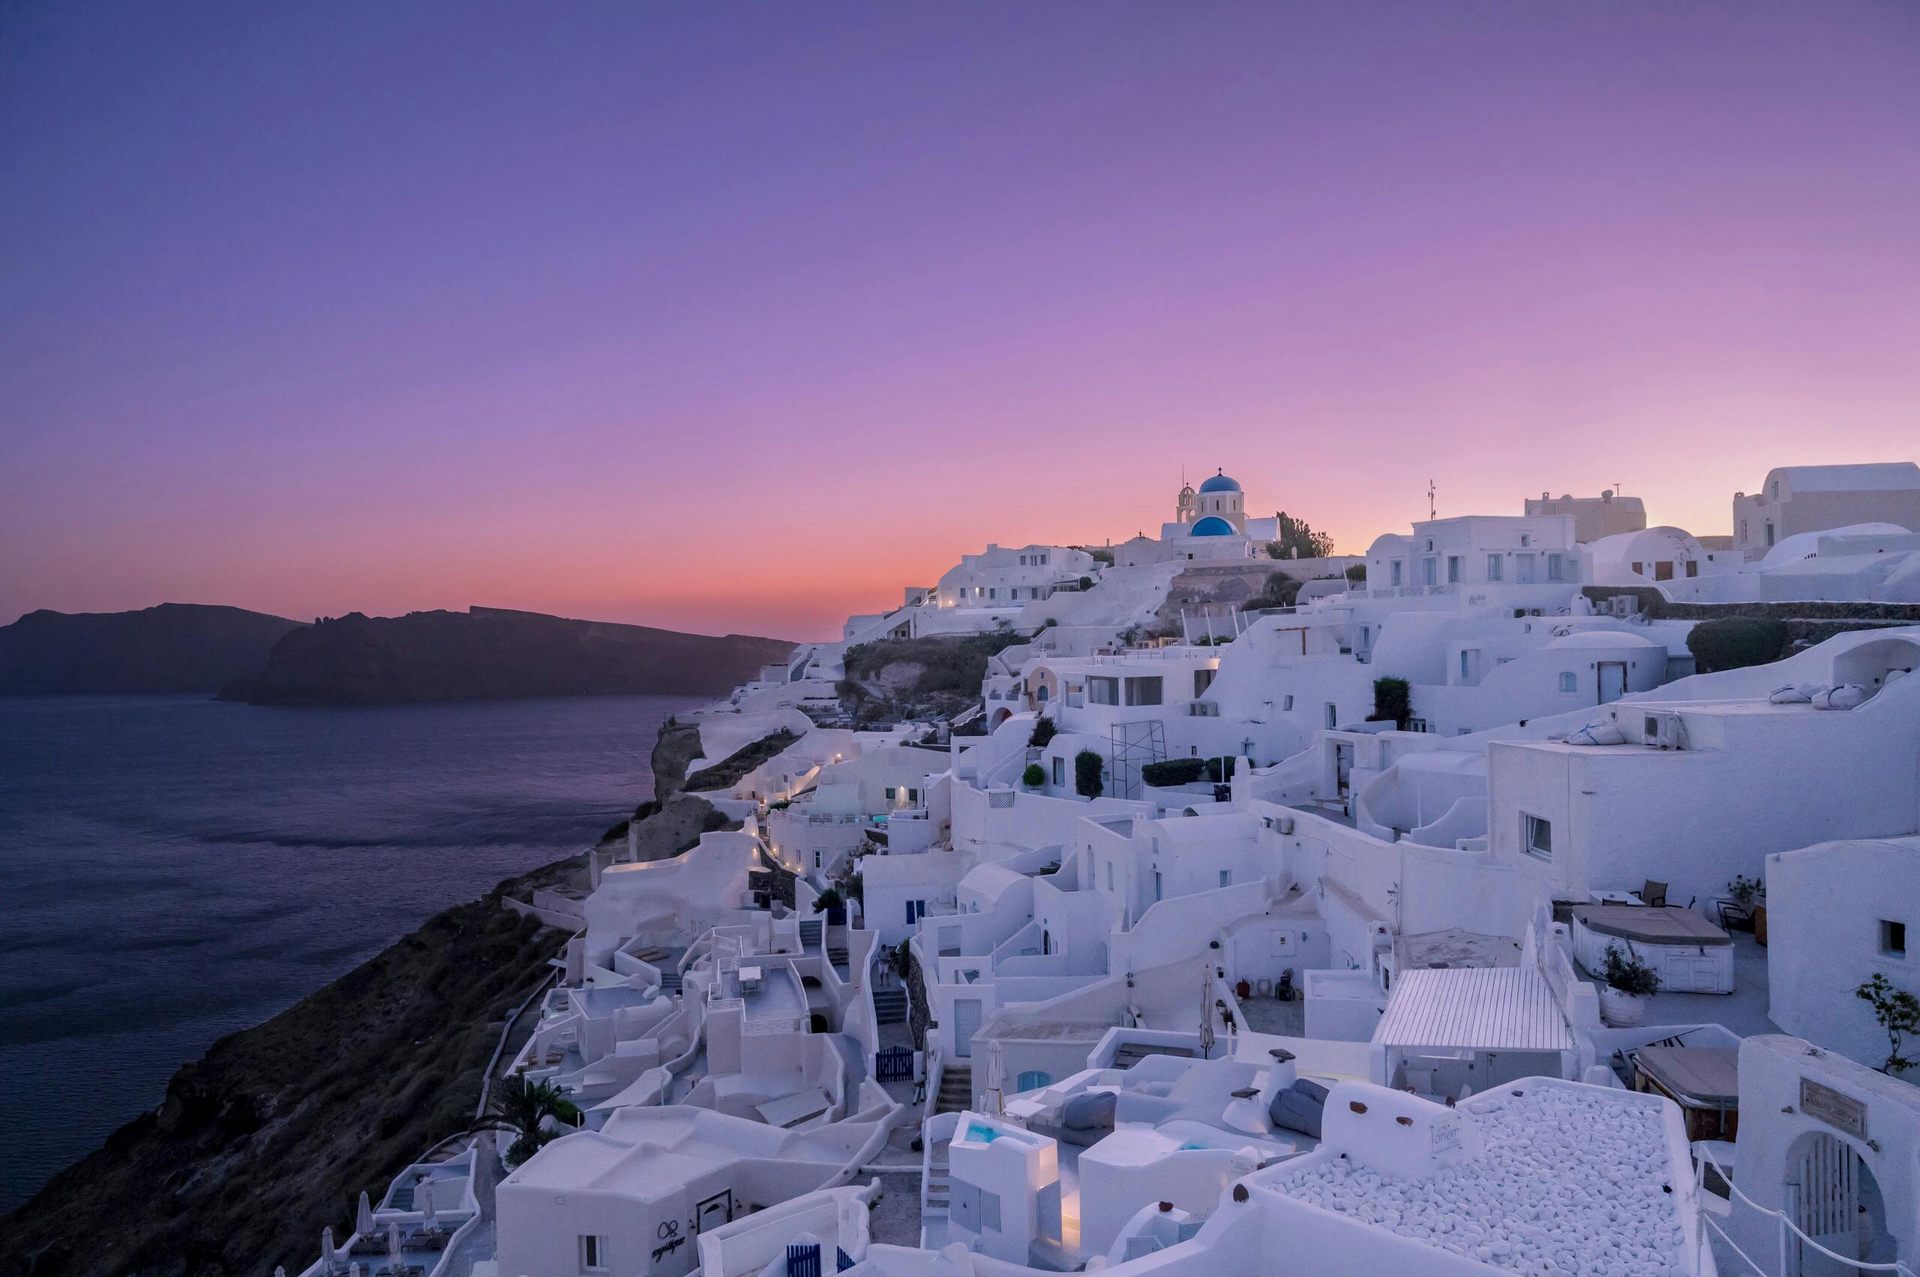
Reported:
(997, 1079)
(363, 1217)
(393, 1246)
(424, 1195)
(326, 1249)
(1206, 1011)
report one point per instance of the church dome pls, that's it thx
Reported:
(1220, 483)
(1213, 525)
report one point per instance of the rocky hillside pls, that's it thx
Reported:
(175, 647)
(271, 1136)
(490, 653)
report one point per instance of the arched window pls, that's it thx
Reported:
(1032, 1080)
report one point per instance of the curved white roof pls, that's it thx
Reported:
(1802, 545)
(1647, 543)
(1602, 638)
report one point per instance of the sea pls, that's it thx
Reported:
(173, 869)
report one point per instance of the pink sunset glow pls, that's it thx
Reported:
(742, 320)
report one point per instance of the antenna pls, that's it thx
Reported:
(1431, 507)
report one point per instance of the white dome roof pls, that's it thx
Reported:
(1602, 638)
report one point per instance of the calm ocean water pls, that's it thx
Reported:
(172, 869)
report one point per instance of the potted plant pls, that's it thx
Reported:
(830, 903)
(1034, 777)
(1749, 894)
(1630, 982)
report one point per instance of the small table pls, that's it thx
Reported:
(1616, 898)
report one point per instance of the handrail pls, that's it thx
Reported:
(486, 1078)
(1786, 1225)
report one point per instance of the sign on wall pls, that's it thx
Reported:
(1842, 1112)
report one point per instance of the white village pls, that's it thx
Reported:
(1530, 894)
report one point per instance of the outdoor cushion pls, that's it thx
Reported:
(1298, 1108)
(1793, 693)
(1845, 696)
(1089, 1112)
(1603, 732)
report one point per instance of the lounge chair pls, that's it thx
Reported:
(1653, 894)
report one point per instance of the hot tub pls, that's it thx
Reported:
(1690, 954)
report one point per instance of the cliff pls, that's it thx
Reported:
(271, 1136)
(490, 653)
(175, 647)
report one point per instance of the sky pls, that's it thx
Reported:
(743, 318)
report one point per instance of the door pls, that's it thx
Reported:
(966, 1022)
(1613, 680)
(713, 1212)
(1523, 569)
(1342, 768)
(1823, 1201)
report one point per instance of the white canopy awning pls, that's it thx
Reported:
(1474, 1009)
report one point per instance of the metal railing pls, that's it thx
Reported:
(1787, 1228)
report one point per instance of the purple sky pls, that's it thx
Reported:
(738, 318)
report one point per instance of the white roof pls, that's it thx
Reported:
(1875, 476)
(1474, 1008)
(991, 879)
(1602, 638)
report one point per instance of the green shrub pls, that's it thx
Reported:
(1392, 701)
(1043, 731)
(1101, 554)
(1175, 771)
(1034, 777)
(1356, 573)
(1086, 774)
(1735, 642)
(1086, 583)
(1629, 974)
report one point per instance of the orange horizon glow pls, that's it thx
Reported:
(677, 317)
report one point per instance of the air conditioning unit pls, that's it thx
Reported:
(1665, 731)
(1283, 825)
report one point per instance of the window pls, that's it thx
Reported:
(1103, 691)
(1109, 875)
(892, 793)
(1287, 704)
(1556, 567)
(1639, 569)
(1396, 571)
(1893, 938)
(1156, 884)
(1466, 666)
(1693, 567)
(1143, 691)
(1059, 771)
(1202, 680)
(1493, 567)
(994, 592)
(1769, 531)
(1429, 571)
(1569, 681)
(1226, 877)
(1776, 489)
(916, 910)
(1525, 540)
(1536, 836)
(913, 797)
(1033, 1080)
(1453, 569)
(816, 861)
(1333, 716)
(593, 1255)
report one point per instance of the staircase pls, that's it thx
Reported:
(956, 1089)
(837, 955)
(890, 1006)
(937, 1197)
(669, 980)
(810, 929)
